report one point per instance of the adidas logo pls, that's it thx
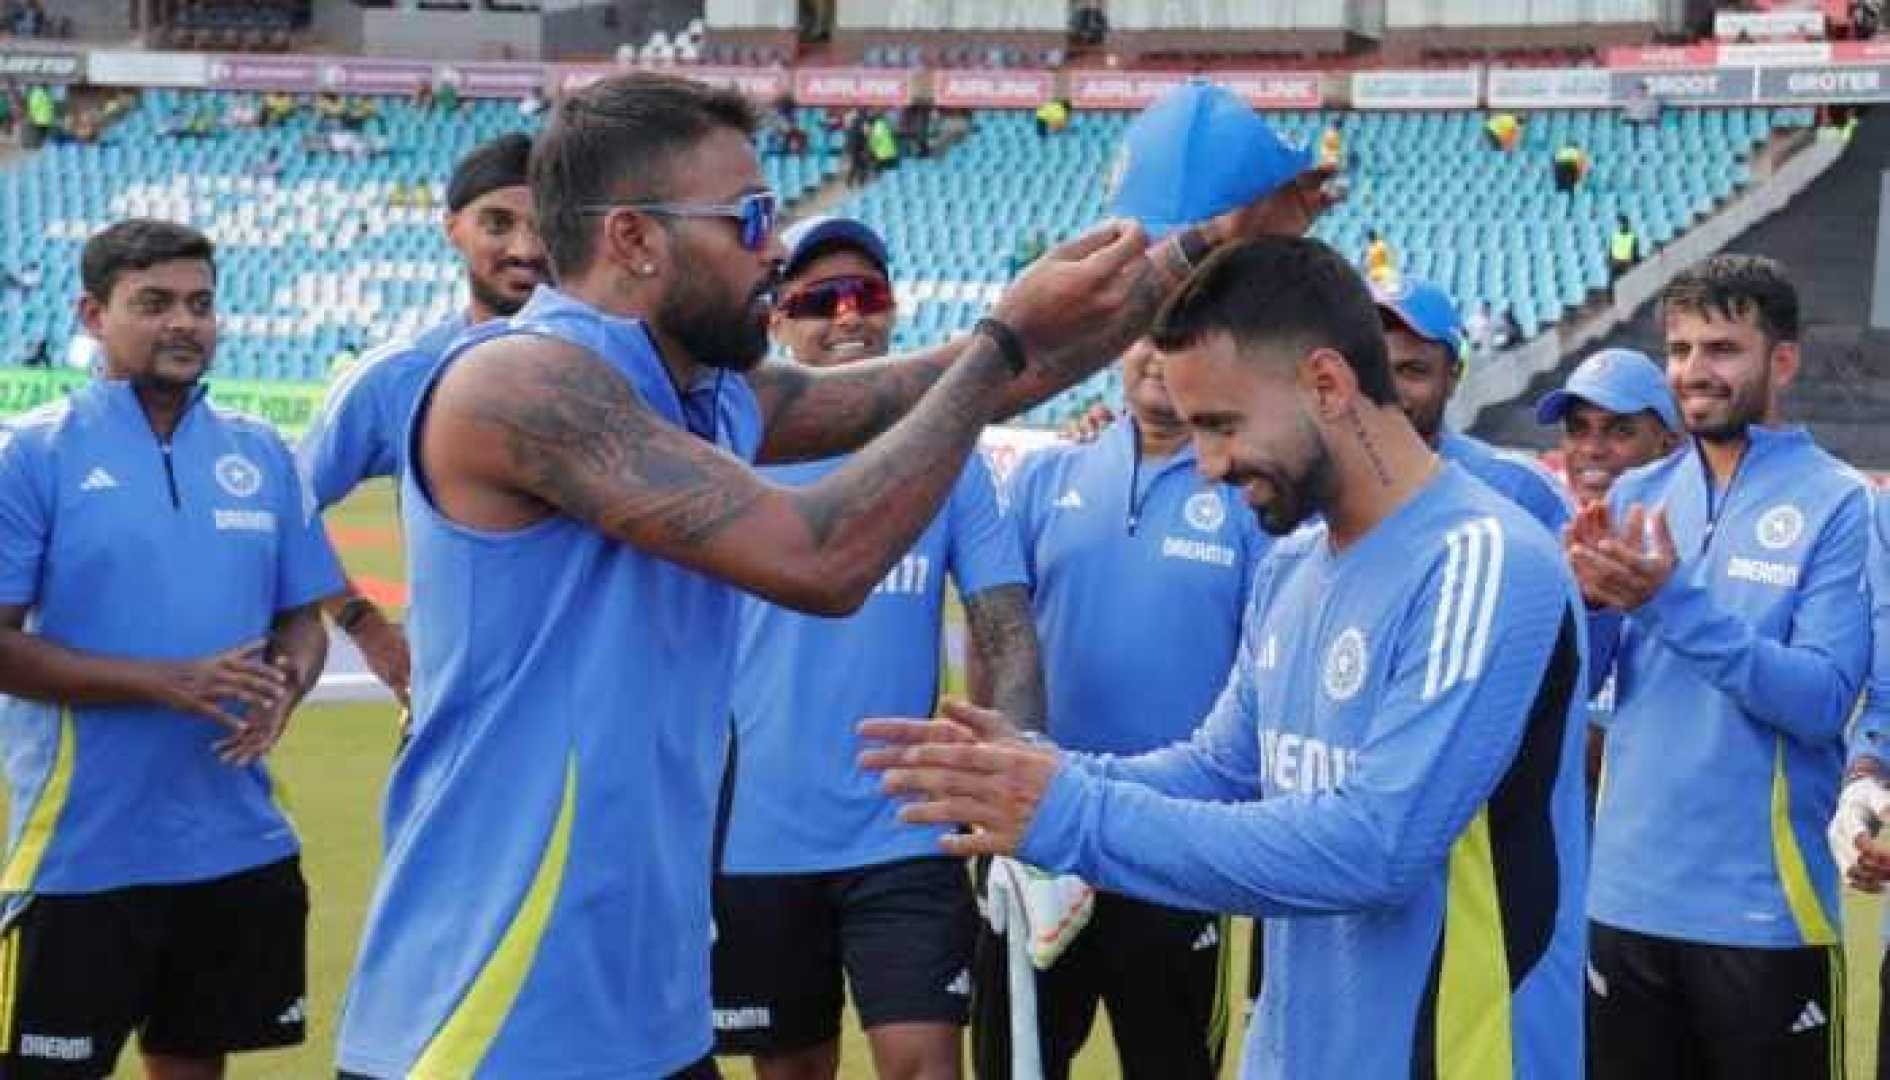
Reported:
(1811, 1017)
(97, 480)
(1070, 501)
(294, 1014)
(1210, 937)
(961, 986)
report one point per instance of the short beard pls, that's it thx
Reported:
(1312, 492)
(712, 334)
(499, 303)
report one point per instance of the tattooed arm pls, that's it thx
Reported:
(1004, 650)
(524, 426)
(812, 413)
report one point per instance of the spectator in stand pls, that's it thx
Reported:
(423, 97)
(1381, 263)
(883, 144)
(1332, 148)
(1569, 168)
(329, 108)
(1641, 107)
(1052, 116)
(446, 96)
(243, 113)
(360, 111)
(915, 127)
(1482, 332)
(41, 114)
(1503, 131)
(859, 158)
(1624, 248)
(278, 108)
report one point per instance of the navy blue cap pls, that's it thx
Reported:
(804, 239)
(1424, 308)
(1198, 151)
(1619, 380)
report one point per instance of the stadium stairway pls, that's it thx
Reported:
(1827, 237)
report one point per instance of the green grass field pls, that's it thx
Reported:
(334, 762)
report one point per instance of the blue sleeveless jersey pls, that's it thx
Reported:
(543, 904)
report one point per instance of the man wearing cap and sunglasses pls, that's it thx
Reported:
(356, 435)
(1617, 413)
(818, 877)
(582, 514)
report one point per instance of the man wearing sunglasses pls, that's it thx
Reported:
(581, 511)
(818, 877)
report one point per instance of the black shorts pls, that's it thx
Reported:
(1162, 973)
(902, 933)
(197, 970)
(1661, 1008)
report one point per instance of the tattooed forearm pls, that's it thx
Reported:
(582, 442)
(1004, 636)
(814, 413)
(905, 477)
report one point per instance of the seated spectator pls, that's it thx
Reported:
(1381, 263)
(1503, 131)
(423, 97)
(1482, 333)
(446, 96)
(1569, 167)
(329, 107)
(1052, 116)
(1641, 106)
(360, 111)
(277, 108)
(243, 113)
(1332, 148)
(83, 127)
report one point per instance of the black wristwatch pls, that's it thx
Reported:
(1009, 345)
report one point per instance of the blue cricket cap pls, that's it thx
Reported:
(1424, 308)
(1619, 380)
(1198, 151)
(805, 239)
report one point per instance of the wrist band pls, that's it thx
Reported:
(1009, 345)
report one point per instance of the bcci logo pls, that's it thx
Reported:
(1781, 527)
(1345, 664)
(238, 475)
(1205, 511)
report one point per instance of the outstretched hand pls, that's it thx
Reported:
(968, 768)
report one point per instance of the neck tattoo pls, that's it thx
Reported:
(1371, 450)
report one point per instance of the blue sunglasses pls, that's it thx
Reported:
(756, 211)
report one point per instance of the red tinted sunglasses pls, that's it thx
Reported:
(820, 300)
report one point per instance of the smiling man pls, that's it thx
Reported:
(159, 582)
(1737, 566)
(1391, 774)
(583, 515)
(818, 878)
(357, 434)
(1617, 414)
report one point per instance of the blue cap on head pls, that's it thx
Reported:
(1198, 151)
(1619, 380)
(804, 238)
(1424, 308)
